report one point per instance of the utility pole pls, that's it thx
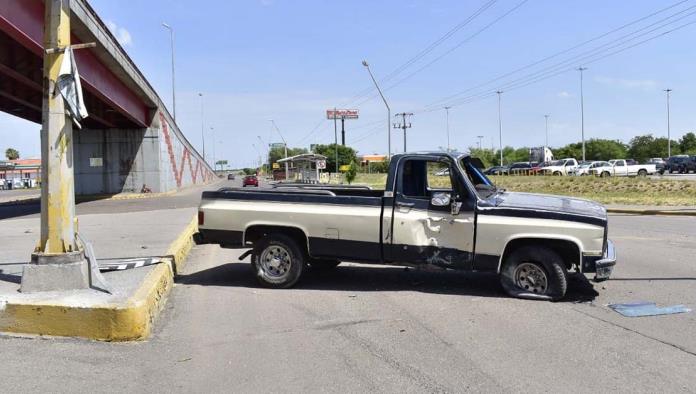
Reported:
(582, 112)
(285, 144)
(669, 138)
(367, 66)
(448, 133)
(212, 130)
(480, 141)
(58, 263)
(500, 127)
(171, 41)
(546, 141)
(202, 133)
(403, 125)
(343, 130)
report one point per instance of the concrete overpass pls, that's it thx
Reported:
(129, 139)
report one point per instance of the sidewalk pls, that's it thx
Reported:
(117, 230)
(653, 210)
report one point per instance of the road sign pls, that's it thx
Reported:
(341, 114)
(276, 145)
(221, 162)
(321, 164)
(276, 166)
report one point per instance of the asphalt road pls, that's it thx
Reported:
(369, 328)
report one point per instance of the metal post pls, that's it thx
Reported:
(343, 130)
(448, 133)
(582, 112)
(285, 144)
(171, 41)
(212, 130)
(546, 143)
(500, 127)
(57, 262)
(669, 138)
(480, 141)
(364, 63)
(336, 139)
(202, 133)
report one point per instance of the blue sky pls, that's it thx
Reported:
(289, 61)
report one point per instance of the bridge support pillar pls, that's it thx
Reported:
(58, 263)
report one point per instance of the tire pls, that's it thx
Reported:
(557, 173)
(550, 280)
(278, 261)
(604, 174)
(323, 264)
(642, 173)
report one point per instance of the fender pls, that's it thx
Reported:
(540, 237)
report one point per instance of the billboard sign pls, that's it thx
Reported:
(341, 114)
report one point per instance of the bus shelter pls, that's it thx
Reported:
(305, 167)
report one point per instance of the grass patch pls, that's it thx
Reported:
(628, 191)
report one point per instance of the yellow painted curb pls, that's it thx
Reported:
(130, 320)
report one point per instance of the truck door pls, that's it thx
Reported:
(423, 227)
(620, 168)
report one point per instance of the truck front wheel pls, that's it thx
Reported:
(278, 261)
(534, 272)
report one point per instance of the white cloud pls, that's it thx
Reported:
(564, 94)
(122, 35)
(644, 84)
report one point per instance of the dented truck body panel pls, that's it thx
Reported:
(404, 224)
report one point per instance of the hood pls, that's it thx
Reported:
(545, 206)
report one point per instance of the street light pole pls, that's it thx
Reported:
(669, 138)
(582, 112)
(202, 133)
(500, 127)
(480, 141)
(212, 130)
(171, 40)
(448, 133)
(546, 143)
(367, 66)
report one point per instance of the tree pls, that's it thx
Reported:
(278, 153)
(487, 156)
(346, 155)
(687, 144)
(11, 154)
(352, 172)
(643, 147)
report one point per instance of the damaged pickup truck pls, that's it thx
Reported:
(455, 219)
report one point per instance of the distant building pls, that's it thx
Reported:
(20, 173)
(373, 158)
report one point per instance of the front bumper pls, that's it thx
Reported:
(605, 265)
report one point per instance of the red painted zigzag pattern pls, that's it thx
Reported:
(199, 169)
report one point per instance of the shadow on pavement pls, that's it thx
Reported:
(374, 278)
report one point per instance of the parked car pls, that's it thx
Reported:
(250, 180)
(520, 168)
(624, 167)
(230, 177)
(496, 170)
(675, 164)
(585, 168)
(560, 167)
(658, 161)
(531, 241)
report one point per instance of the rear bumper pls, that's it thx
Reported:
(602, 266)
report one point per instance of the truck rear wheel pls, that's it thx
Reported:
(642, 173)
(534, 272)
(278, 261)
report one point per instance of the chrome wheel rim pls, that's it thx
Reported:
(531, 277)
(275, 261)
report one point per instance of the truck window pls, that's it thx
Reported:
(420, 177)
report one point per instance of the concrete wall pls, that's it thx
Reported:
(123, 160)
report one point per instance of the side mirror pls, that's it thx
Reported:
(441, 199)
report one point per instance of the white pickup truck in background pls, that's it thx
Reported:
(560, 167)
(622, 167)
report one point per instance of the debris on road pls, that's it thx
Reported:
(640, 309)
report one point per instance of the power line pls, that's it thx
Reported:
(439, 102)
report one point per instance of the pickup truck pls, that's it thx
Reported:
(621, 167)
(560, 167)
(461, 222)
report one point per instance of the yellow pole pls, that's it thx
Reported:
(57, 186)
